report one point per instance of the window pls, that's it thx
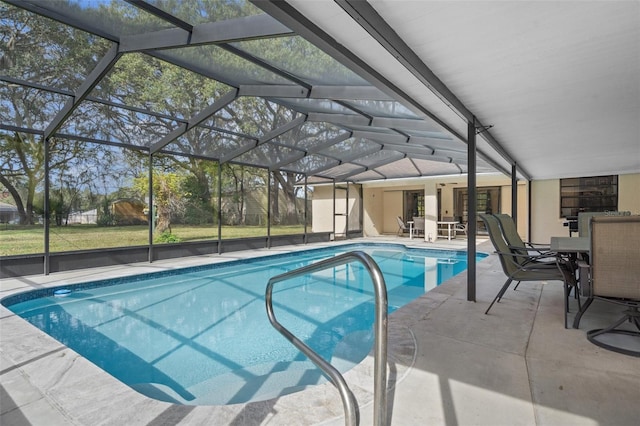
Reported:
(413, 204)
(588, 194)
(488, 201)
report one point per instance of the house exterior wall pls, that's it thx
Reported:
(373, 217)
(545, 211)
(391, 209)
(8, 213)
(322, 209)
(629, 193)
(383, 202)
(545, 200)
(431, 211)
(129, 212)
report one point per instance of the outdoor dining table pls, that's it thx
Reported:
(450, 227)
(576, 248)
(570, 245)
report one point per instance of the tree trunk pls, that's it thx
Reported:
(25, 219)
(164, 220)
(289, 190)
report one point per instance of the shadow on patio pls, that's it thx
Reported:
(517, 365)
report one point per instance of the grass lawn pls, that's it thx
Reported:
(15, 240)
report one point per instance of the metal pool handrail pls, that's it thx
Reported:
(351, 411)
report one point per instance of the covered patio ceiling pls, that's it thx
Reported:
(557, 81)
(366, 91)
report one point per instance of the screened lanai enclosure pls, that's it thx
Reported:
(140, 130)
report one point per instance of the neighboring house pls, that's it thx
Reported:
(83, 218)
(129, 212)
(254, 211)
(253, 208)
(8, 213)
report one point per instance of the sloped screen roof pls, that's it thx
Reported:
(214, 79)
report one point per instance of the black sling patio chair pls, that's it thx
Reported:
(526, 267)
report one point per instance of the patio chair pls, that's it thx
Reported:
(614, 276)
(585, 217)
(462, 228)
(510, 232)
(526, 267)
(517, 245)
(418, 225)
(401, 226)
(583, 222)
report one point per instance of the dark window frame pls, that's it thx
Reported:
(588, 194)
(413, 204)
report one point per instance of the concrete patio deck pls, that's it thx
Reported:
(449, 364)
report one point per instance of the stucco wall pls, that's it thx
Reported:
(545, 200)
(373, 215)
(431, 210)
(322, 209)
(523, 207)
(391, 209)
(545, 211)
(323, 214)
(382, 202)
(629, 193)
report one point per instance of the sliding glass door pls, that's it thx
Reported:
(488, 202)
(413, 204)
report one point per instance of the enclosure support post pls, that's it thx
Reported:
(529, 210)
(346, 214)
(361, 209)
(152, 211)
(47, 206)
(306, 212)
(472, 206)
(334, 209)
(219, 207)
(514, 193)
(269, 208)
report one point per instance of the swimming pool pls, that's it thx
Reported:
(181, 336)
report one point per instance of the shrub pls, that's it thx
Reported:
(167, 237)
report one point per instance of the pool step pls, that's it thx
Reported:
(269, 380)
(263, 381)
(258, 383)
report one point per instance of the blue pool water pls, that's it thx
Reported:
(200, 336)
